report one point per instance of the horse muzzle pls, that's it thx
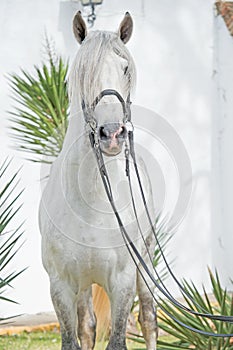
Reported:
(111, 138)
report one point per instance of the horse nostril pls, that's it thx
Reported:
(113, 131)
(122, 132)
(103, 133)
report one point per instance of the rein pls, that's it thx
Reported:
(134, 253)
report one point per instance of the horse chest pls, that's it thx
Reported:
(81, 266)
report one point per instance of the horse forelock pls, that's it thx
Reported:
(86, 71)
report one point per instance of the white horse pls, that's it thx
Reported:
(81, 240)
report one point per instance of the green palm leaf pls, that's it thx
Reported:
(9, 239)
(40, 118)
(220, 302)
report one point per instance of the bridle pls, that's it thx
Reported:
(88, 112)
(133, 251)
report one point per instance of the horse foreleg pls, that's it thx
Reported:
(121, 299)
(86, 320)
(147, 314)
(65, 305)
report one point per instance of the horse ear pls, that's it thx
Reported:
(126, 28)
(79, 27)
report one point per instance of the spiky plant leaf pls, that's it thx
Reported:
(9, 239)
(220, 303)
(39, 120)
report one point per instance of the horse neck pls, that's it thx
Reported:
(76, 127)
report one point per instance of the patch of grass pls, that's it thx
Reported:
(31, 341)
(42, 341)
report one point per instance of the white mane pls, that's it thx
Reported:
(85, 74)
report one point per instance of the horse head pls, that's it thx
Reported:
(103, 76)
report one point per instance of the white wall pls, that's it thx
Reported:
(222, 152)
(173, 47)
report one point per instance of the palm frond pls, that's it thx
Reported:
(220, 302)
(39, 121)
(9, 239)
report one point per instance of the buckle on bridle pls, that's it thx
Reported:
(129, 126)
(93, 124)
